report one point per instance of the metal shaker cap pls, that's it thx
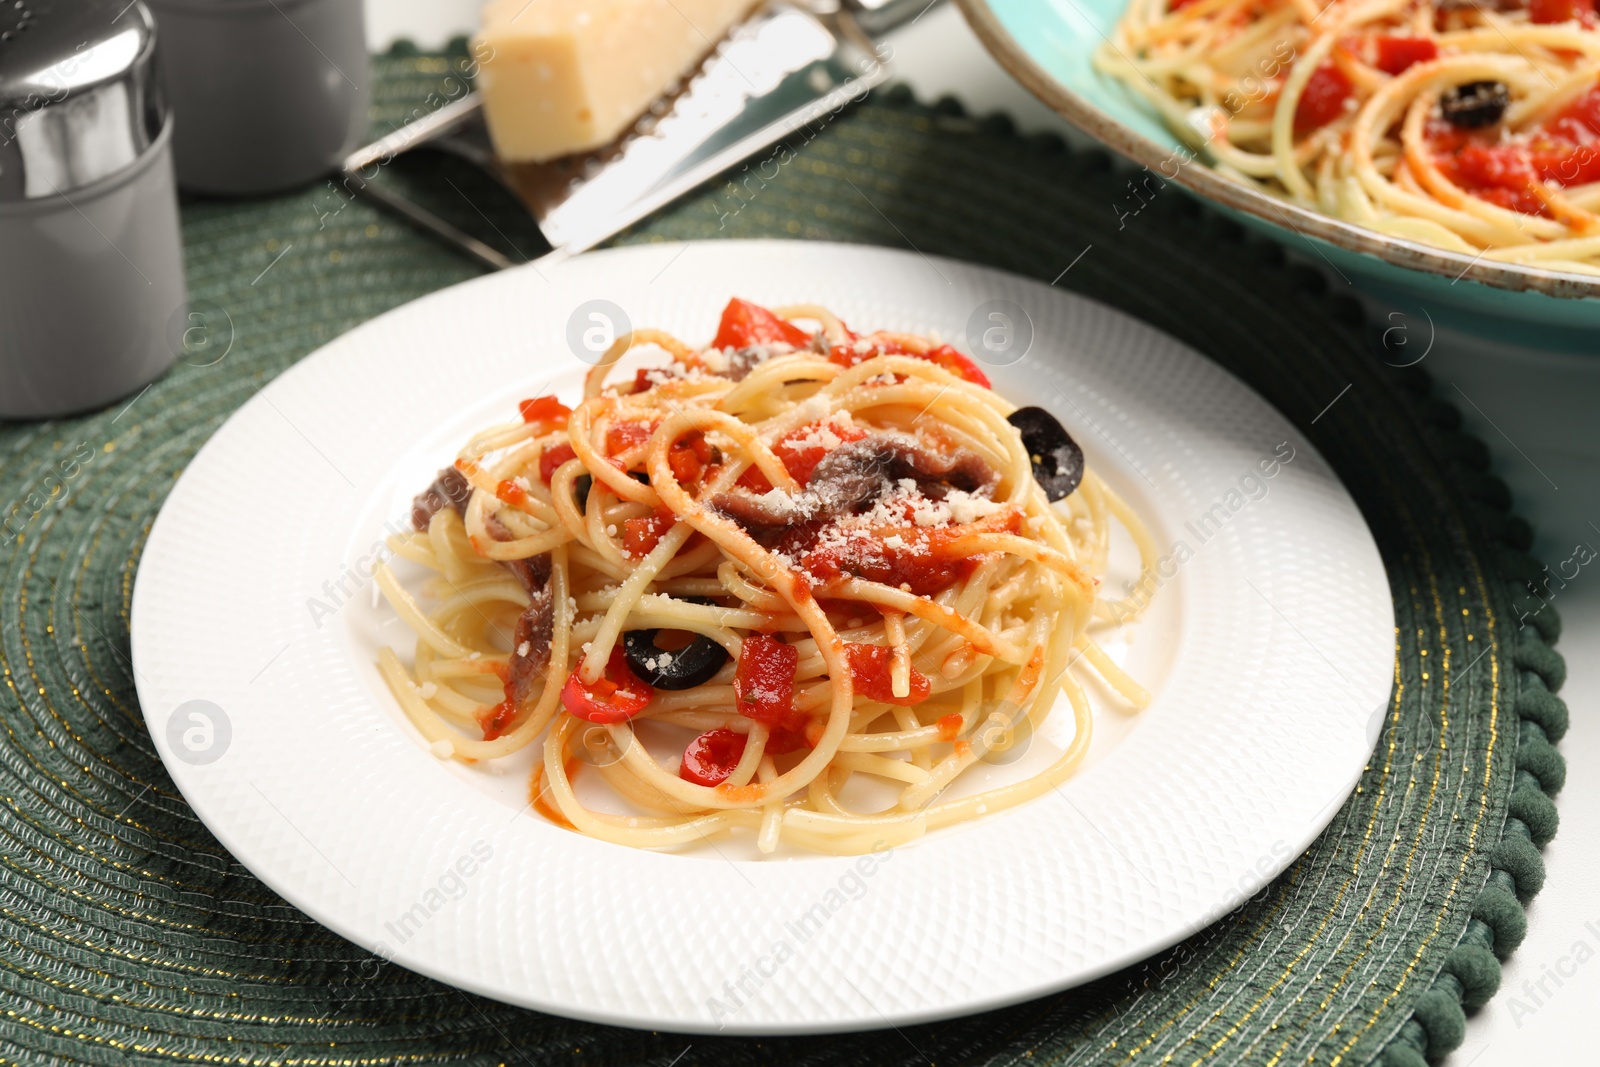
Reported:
(80, 95)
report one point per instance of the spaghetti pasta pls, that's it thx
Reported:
(823, 558)
(1470, 126)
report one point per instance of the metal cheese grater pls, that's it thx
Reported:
(790, 64)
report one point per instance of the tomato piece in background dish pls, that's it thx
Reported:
(869, 670)
(617, 696)
(1322, 100)
(763, 685)
(711, 757)
(1395, 54)
(745, 324)
(1566, 151)
(1547, 12)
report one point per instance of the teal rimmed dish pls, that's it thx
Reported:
(1048, 46)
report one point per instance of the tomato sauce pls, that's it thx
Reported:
(497, 720)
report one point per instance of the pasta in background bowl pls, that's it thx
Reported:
(1132, 75)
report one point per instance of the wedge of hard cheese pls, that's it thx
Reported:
(564, 76)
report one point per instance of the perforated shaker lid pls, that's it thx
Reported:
(80, 99)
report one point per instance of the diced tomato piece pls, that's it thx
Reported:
(745, 324)
(763, 685)
(1395, 54)
(712, 756)
(1578, 165)
(869, 671)
(511, 493)
(617, 696)
(552, 458)
(786, 739)
(945, 356)
(1323, 99)
(1548, 11)
(1179, 5)
(640, 536)
(957, 364)
(689, 456)
(621, 436)
(686, 466)
(1579, 121)
(546, 409)
(802, 449)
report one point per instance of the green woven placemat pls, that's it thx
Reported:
(130, 936)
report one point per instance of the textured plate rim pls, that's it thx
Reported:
(242, 839)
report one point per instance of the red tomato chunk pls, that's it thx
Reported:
(869, 670)
(745, 324)
(1322, 100)
(763, 685)
(1395, 54)
(617, 696)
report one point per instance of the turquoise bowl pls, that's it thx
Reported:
(1048, 45)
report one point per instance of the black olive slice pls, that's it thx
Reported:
(1475, 104)
(583, 483)
(684, 668)
(1057, 459)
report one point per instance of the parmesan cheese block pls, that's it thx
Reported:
(564, 76)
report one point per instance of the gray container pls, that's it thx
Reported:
(268, 94)
(91, 257)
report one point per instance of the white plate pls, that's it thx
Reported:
(1269, 647)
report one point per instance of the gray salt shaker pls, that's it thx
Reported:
(91, 258)
(268, 94)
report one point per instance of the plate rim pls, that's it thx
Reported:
(1201, 178)
(234, 836)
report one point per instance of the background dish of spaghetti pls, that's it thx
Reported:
(812, 550)
(1473, 127)
(1266, 646)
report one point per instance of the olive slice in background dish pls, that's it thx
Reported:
(1475, 105)
(677, 668)
(1057, 459)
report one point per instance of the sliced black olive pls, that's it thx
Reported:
(682, 668)
(1475, 104)
(583, 483)
(1057, 459)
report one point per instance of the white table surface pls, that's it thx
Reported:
(1538, 417)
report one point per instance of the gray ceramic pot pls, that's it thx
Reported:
(268, 94)
(91, 258)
